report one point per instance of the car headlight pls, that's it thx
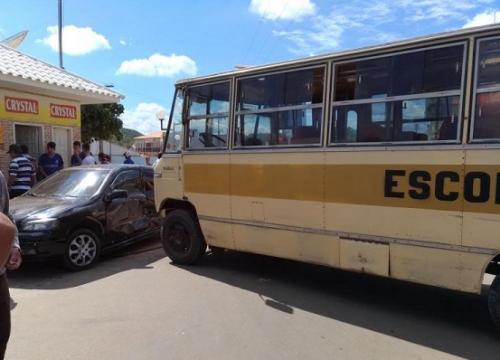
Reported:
(40, 224)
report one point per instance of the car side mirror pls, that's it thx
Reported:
(116, 194)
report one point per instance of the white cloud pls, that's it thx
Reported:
(160, 65)
(376, 21)
(76, 40)
(143, 117)
(436, 9)
(324, 35)
(123, 42)
(282, 9)
(484, 18)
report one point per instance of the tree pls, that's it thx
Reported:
(128, 136)
(101, 122)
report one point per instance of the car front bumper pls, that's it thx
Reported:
(40, 245)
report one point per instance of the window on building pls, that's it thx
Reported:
(409, 97)
(283, 109)
(486, 114)
(208, 115)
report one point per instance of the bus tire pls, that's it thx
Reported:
(181, 238)
(494, 301)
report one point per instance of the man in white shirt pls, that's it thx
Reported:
(88, 159)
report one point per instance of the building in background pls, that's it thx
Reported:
(41, 103)
(149, 145)
(115, 151)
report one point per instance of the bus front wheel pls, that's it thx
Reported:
(181, 238)
(494, 301)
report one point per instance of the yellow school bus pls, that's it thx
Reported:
(383, 160)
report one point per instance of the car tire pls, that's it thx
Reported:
(182, 239)
(82, 250)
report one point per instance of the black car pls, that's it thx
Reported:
(78, 213)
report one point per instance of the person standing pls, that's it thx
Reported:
(128, 158)
(78, 155)
(21, 172)
(88, 159)
(10, 259)
(157, 160)
(50, 162)
(26, 154)
(103, 159)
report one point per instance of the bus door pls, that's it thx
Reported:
(168, 170)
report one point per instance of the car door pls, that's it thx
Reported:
(124, 217)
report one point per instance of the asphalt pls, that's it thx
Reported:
(137, 305)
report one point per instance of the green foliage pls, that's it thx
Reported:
(101, 122)
(127, 137)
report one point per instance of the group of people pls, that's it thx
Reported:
(25, 170)
(82, 155)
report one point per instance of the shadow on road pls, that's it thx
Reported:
(444, 320)
(51, 275)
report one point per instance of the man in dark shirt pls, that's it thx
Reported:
(21, 172)
(50, 162)
(78, 155)
(128, 158)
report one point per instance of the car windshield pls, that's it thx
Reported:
(72, 183)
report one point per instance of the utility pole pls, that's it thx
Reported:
(60, 34)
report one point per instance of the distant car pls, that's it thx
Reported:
(78, 213)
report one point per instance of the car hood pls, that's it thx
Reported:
(41, 207)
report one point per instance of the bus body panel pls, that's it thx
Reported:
(450, 269)
(207, 188)
(356, 202)
(313, 248)
(277, 188)
(168, 179)
(482, 219)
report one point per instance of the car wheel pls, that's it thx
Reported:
(82, 250)
(181, 238)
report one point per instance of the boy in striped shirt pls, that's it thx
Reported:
(21, 172)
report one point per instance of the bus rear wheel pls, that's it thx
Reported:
(182, 239)
(494, 301)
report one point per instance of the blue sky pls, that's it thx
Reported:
(143, 47)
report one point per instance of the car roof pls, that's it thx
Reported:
(112, 167)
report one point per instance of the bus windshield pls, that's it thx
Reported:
(174, 141)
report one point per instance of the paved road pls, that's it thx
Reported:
(237, 306)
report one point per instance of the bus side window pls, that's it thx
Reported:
(208, 116)
(282, 109)
(487, 91)
(406, 97)
(174, 141)
(351, 131)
